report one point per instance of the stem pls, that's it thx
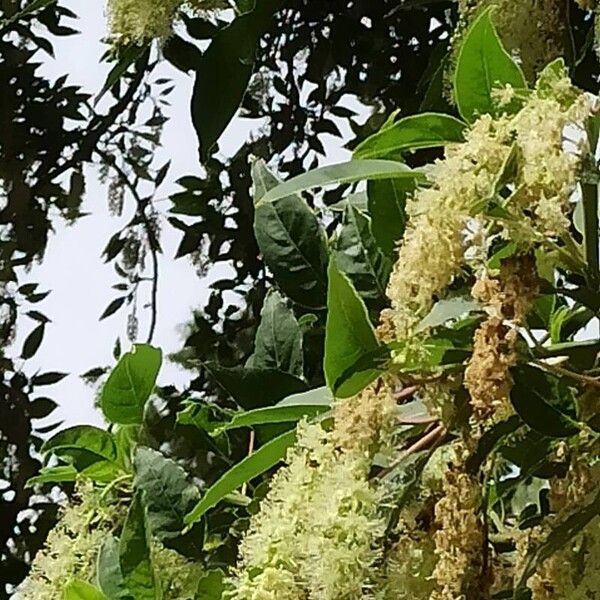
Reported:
(141, 205)
(585, 379)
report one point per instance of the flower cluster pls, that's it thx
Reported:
(314, 537)
(573, 572)
(138, 21)
(71, 548)
(545, 179)
(487, 376)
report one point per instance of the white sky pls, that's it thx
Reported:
(81, 283)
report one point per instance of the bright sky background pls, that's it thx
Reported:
(81, 283)
(76, 341)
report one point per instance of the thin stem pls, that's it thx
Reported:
(141, 205)
(250, 451)
(585, 379)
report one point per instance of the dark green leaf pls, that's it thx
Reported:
(167, 496)
(483, 64)
(349, 338)
(426, 130)
(255, 388)
(360, 259)
(531, 396)
(41, 407)
(33, 341)
(113, 307)
(257, 463)
(292, 242)
(49, 378)
(130, 384)
(216, 98)
(278, 341)
(387, 203)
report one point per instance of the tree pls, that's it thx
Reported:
(463, 426)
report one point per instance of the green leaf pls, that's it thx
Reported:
(426, 130)
(531, 396)
(558, 538)
(84, 437)
(134, 554)
(167, 496)
(108, 571)
(252, 466)
(448, 309)
(33, 341)
(130, 384)
(320, 396)
(291, 240)
(216, 98)
(278, 341)
(347, 172)
(591, 243)
(483, 64)
(211, 586)
(349, 338)
(80, 590)
(255, 388)
(387, 209)
(273, 414)
(59, 474)
(358, 256)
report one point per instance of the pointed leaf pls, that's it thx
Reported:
(349, 338)
(134, 554)
(278, 342)
(348, 172)
(292, 242)
(426, 130)
(483, 64)
(250, 467)
(359, 257)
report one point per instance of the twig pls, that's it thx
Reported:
(585, 379)
(422, 420)
(405, 393)
(141, 205)
(250, 451)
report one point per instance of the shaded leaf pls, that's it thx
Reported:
(134, 554)
(360, 259)
(278, 341)
(167, 496)
(292, 242)
(349, 338)
(257, 463)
